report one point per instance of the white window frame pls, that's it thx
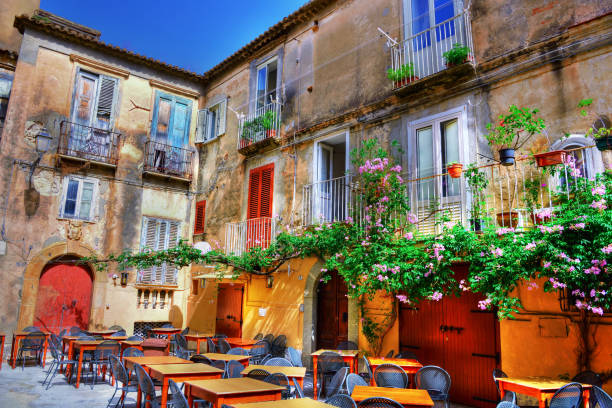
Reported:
(204, 132)
(267, 91)
(407, 12)
(94, 198)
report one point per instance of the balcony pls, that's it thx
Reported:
(244, 235)
(260, 130)
(86, 143)
(169, 161)
(421, 56)
(330, 200)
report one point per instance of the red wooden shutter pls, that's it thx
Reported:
(200, 215)
(254, 187)
(261, 184)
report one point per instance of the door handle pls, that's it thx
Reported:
(443, 328)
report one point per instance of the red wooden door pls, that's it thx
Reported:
(259, 212)
(455, 335)
(332, 312)
(229, 309)
(64, 297)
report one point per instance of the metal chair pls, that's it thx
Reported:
(33, 343)
(30, 329)
(329, 363)
(62, 334)
(221, 365)
(278, 361)
(353, 380)
(167, 326)
(342, 401)
(182, 347)
(237, 351)
(407, 355)
(176, 399)
(601, 397)
(210, 345)
(390, 376)
(509, 396)
(295, 357)
(199, 358)
(589, 377)
(220, 336)
(265, 359)
(75, 331)
(258, 351)
(279, 345)
(97, 337)
(258, 374)
(134, 338)
(299, 392)
(568, 396)
(121, 376)
(390, 354)
(147, 388)
(282, 380)
(367, 375)
(59, 359)
(118, 333)
(133, 352)
(101, 355)
(436, 381)
(116, 327)
(379, 402)
(269, 338)
(234, 369)
(258, 336)
(335, 385)
(223, 346)
(507, 404)
(347, 345)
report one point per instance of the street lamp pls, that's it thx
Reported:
(43, 142)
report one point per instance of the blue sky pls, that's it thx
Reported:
(192, 34)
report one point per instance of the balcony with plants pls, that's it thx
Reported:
(260, 130)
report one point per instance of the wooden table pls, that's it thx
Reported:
(198, 338)
(166, 331)
(246, 344)
(297, 373)
(407, 397)
(409, 366)
(152, 360)
(181, 373)
(232, 390)
(351, 357)
(17, 337)
(101, 332)
(244, 360)
(125, 344)
(82, 346)
(541, 388)
(116, 338)
(2, 337)
(290, 403)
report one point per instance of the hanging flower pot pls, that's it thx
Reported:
(550, 158)
(508, 219)
(604, 143)
(506, 157)
(455, 169)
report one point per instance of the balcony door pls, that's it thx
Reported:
(326, 167)
(259, 212)
(332, 312)
(229, 310)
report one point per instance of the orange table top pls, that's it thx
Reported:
(163, 330)
(538, 383)
(290, 403)
(132, 342)
(196, 336)
(177, 369)
(101, 332)
(26, 333)
(240, 341)
(231, 386)
(404, 396)
(87, 343)
(226, 357)
(343, 353)
(402, 362)
(150, 360)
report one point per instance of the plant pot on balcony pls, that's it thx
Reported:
(550, 158)
(454, 170)
(508, 219)
(405, 81)
(604, 143)
(506, 157)
(271, 133)
(454, 64)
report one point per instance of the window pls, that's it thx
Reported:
(158, 235)
(587, 160)
(6, 82)
(171, 118)
(211, 122)
(200, 217)
(421, 15)
(261, 185)
(266, 83)
(94, 100)
(78, 198)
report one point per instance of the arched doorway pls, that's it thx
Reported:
(64, 296)
(332, 312)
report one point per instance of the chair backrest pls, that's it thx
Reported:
(341, 400)
(198, 358)
(55, 339)
(258, 336)
(568, 396)
(352, 380)
(433, 378)
(144, 382)
(62, 333)
(498, 373)
(185, 331)
(181, 341)
(257, 374)
(116, 327)
(106, 349)
(135, 338)
(133, 352)
(282, 380)
(347, 345)
(588, 377)
(237, 351)
(30, 329)
(223, 346)
(75, 331)
(336, 383)
(269, 338)
(221, 365)
(390, 375)
(330, 362)
(34, 339)
(54, 353)
(210, 345)
(234, 368)
(603, 399)
(98, 336)
(295, 357)
(507, 404)
(167, 326)
(265, 358)
(118, 333)
(407, 354)
(260, 348)
(366, 364)
(118, 370)
(379, 402)
(86, 337)
(176, 396)
(390, 354)
(220, 336)
(278, 361)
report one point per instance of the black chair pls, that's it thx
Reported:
(265, 358)
(118, 333)
(379, 402)
(591, 378)
(283, 381)
(75, 331)
(342, 401)
(407, 355)
(602, 398)
(199, 358)
(335, 385)
(353, 380)
(133, 352)
(33, 343)
(367, 375)
(568, 396)
(221, 365)
(116, 327)
(258, 374)
(258, 336)
(181, 349)
(258, 352)
(167, 326)
(134, 338)
(97, 337)
(101, 357)
(278, 361)
(436, 381)
(121, 376)
(176, 399)
(223, 346)
(210, 345)
(390, 354)
(234, 369)
(237, 351)
(279, 345)
(329, 363)
(59, 359)
(220, 336)
(507, 404)
(62, 334)
(295, 357)
(347, 345)
(147, 388)
(299, 392)
(30, 329)
(269, 338)
(390, 376)
(509, 396)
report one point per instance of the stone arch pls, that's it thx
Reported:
(35, 268)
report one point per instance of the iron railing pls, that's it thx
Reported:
(255, 232)
(330, 200)
(424, 50)
(168, 160)
(261, 124)
(88, 143)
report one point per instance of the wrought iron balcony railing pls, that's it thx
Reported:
(260, 126)
(168, 160)
(255, 232)
(330, 200)
(88, 143)
(421, 55)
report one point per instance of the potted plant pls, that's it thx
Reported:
(477, 182)
(550, 158)
(600, 130)
(268, 121)
(457, 55)
(402, 75)
(454, 169)
(513, 130)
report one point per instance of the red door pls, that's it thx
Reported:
(64, 297)
(455, 335)
(229, 309)
(332, 312)
(259, 212)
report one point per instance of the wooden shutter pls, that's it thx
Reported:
(221, 112)
(84, 98)
(170, 271)
(202, 126)
(261, 185)
(200, 216)
(148, 240)
(254, 188)
(106, 98)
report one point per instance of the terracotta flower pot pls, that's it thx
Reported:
(507, 219)
(454, 170)
(271, 133)
(405, 81)
(550, 158)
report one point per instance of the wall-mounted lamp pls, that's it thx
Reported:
(269, 281)
(124, 279)
(43, 143)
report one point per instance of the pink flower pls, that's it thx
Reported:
(412, 219)
(599, 190)
(409, 236)
(502, 231)
(597, 310)
(436, 296)
(599, 205)
(607, 249)
(463, 286)
(578, 226)
(532, 286)
(403, 298)
(484, 304)
(547, 264)
(497, 252)
(544, 213)
(380, 278)
(530, 246)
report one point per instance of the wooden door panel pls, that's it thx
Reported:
(332, 312)
(229, 309)
(420, 331)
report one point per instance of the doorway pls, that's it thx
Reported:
(64, 297)
(455, 335)
(332, 312)
(331, 188)
(229, 309)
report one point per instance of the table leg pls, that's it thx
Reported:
(78, 379)
(14, 345)
(542, 401)
(45, 351)
(70, 355)
(1, 352)
(138, 397)
(164, 393)
(314, 372)
(189, 396)
(198, 346)
(586, 396)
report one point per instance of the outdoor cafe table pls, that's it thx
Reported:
(244, 360)
(181, 373)
(232, 391)
(408, 365)
(101, 332)
(82, 346)
(541, 388)
(166, 331)
(198, 338)
(125, 344)
(405, 396)
(351, 357)
(17, 337)
(246, 344)
(290, 403)
(297, 373)
(152, 360)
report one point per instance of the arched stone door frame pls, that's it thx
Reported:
(35, 268)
